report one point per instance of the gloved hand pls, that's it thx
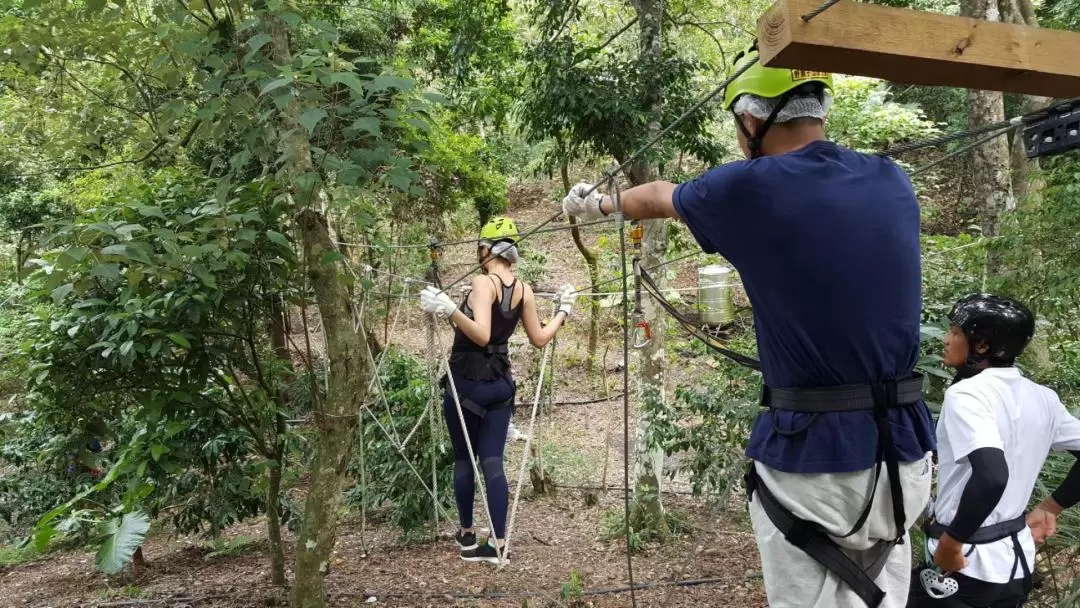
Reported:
(577, 204)
(434, 301)
(567, 298)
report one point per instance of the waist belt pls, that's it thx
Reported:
(982, 536)
(844, 398)
(491, 349)
(815, 542)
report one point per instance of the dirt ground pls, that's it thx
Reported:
(555, 538)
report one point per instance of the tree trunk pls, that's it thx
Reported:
(273, 525)
(277, 462)
(336, 414)
(648, 512)
(1026, 185)
(594, 277)
(991, 161)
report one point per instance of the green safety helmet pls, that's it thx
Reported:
(768, 83)
(500, 228)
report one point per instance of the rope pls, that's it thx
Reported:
(963, 149)
(741, 359)
(625, 395)
(950, 137)
(427, 245)
(499, 552)
(529, 437)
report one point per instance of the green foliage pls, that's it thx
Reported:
(709, 424)
(533, 266)
(863, 117)
(1040, 245)
(612, 528)
(227, 547)
(159, 352)
(123, 536)
(473, 46)
(461, 167)
(390, 482)
(11, 555)
(571, 590)
(602, 100)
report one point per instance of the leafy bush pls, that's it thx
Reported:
(710, 423)
(863, 118)
(390, 482)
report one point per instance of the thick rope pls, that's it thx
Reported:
(626, 393)
(548, 352)
(391, 435)
(499, 552)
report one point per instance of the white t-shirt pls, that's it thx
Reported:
(998, 408)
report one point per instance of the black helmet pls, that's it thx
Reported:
(1003, 324)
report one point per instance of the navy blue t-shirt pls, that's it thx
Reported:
(826, 241)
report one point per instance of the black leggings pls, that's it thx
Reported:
(488, 438)
(973, 593)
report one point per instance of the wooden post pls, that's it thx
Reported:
(913, 47)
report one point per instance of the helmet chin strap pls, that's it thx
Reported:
(754, 141)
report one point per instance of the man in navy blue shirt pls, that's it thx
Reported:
(826, 241)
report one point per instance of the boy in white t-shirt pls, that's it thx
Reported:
(995, 431)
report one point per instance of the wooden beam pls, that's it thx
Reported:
(913, 47)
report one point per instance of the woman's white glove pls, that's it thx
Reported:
(434, 301)
(583, 206)
(567, 298)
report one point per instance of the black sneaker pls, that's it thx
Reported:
(485, 553)
(465, 540)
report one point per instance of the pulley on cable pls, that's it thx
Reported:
(642, 332)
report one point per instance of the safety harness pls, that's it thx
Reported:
(983, 536)
(489, 362)
(856, 568)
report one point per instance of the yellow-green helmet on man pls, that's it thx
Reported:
(768, 82)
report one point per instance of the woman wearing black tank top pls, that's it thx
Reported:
(480, 364)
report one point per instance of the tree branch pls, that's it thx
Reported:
(101, 97)
(192, 13)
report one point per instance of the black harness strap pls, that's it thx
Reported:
(989, 534)
(815, 542)
(982, 536)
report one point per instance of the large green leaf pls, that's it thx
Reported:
(125, 536)
(311, 117)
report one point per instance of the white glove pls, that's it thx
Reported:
(567, 299)
(581, 206)
(434, 301)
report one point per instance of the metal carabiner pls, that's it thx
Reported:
(642, 330)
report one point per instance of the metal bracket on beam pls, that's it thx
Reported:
(1054, 130)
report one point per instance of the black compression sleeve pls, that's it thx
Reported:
(1068, 493)
(989, 476)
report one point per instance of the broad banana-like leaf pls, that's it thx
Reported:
(124, 537)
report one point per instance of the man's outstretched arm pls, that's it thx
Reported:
(654, 200)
